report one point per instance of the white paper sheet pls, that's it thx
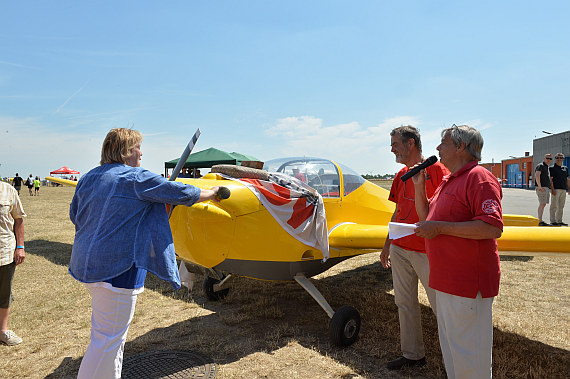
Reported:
(398, 230)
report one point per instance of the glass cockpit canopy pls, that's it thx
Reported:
(321, 174)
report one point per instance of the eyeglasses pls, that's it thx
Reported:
(559, 157)
(548, 159)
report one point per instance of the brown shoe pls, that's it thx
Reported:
(400, 363)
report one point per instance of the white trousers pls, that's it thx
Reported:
(407, 267)
(112, 312)
(465, 329)
(557, 205)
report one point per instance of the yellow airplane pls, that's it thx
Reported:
(240, 237)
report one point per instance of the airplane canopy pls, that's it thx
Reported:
(64, 171)
(321, 174)
(210, 157)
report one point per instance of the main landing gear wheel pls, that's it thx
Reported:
(344, 326)
(211, 294)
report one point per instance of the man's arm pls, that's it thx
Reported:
(19, 254)
(385, 254)
(421, 200)
(476, 229)
(538, 182)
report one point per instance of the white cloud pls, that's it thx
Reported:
(365, 149)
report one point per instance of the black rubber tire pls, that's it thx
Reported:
(344, 326)
(209, 289)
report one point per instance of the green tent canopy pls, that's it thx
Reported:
(243, 157)
(210, 157)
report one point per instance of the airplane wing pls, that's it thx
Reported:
(521, 235)
(66, 182)
(515, 240)
(534, 240)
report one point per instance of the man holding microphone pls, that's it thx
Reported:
(463, 220)
(407, 255)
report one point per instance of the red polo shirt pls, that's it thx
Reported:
(462, 266)
(403, 194)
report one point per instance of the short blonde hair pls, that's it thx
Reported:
(119, 145)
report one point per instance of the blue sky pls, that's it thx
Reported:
(277, 78)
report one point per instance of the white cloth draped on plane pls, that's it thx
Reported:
(297, 207)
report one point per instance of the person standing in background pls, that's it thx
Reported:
(37, 185)
(542, 186)
(559, 179)
(17, 183)
(30, 184)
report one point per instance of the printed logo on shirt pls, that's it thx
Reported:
(490, 206)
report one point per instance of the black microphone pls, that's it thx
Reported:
(428, 162)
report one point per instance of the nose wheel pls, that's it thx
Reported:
(211, 288)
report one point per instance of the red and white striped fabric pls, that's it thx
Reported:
(298, 208)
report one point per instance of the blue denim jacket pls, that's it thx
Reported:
(120, 218)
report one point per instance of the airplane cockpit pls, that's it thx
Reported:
(321, 174)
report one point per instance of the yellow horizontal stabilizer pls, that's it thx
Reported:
(66, 182)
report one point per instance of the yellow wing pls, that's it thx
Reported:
(515, 240)
(66, 182)
(521, 235)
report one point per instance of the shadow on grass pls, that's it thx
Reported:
(515, 258)
(55, 252)
(264, 317)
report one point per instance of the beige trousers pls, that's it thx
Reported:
(407, 267)
(557, 205)
(465, 328)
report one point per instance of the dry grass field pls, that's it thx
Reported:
(266, 329)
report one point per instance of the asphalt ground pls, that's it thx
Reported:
(525, 202)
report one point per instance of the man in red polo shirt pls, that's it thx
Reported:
(463, 220)
(408, 255)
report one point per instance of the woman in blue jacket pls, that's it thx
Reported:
(121, 232)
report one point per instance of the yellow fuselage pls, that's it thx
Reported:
(241, 228)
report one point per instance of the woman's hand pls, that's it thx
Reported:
(217, 193)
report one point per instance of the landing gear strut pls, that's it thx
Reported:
(213, 288)
(344, 325)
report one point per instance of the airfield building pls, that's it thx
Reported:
(518, 172)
